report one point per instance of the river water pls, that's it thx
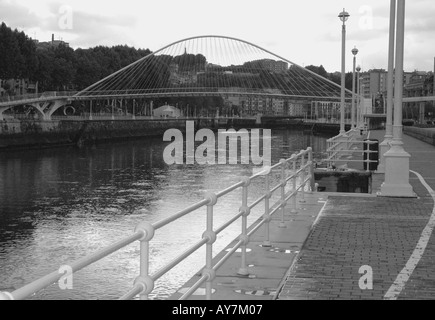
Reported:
(58, 205)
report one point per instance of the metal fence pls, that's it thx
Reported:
(295, 173)
(347, 144)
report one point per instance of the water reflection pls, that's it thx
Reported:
(57, 205)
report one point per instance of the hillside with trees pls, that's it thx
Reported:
(59, 67)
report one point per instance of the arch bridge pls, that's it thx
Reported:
(241, 73)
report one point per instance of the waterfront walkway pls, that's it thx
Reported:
(345, 246)
(390, 237)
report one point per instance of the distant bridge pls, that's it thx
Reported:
(234, 69)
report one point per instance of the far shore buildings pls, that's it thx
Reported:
(52, 43)
(373, 85)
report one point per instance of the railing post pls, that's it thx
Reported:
(144, 280)
(294, 209)
(267, 218)
(367, 161)
(90, 110)
(329, 143)
(211, 235)
(303, 176)
(243, 270)
(283, 184)
(311, 168)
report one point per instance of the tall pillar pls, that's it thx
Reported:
(358, 98)
(396, 182)
(385, 145)
(352, 110)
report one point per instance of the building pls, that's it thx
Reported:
(373, 83)
(50, 44)
(272, 65)
(419, 84)
(17, 87)
(167, 111)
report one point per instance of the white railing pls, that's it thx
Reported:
(47, 95)
(298, 168)
(343, 145)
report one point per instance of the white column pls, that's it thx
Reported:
(385, 145)
(358, 99)
(343, 75)
(396, 182)
(352, 110)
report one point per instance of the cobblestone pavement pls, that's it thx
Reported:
(382, 233)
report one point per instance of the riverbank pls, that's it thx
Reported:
(42, 134)
(36, 133)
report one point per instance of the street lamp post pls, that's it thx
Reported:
(343, 17)
(358, 100)
(354, 52)
(396, 182)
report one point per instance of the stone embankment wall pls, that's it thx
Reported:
(31, 133)
(38, 133)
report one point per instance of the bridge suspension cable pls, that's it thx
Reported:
(213, 65)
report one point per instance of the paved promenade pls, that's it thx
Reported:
(387, 236)
(319, 253)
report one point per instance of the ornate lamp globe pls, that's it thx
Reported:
(344, 15)
(354, 51)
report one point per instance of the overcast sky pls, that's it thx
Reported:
(306, 32)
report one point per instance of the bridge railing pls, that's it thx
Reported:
(346, 144)
(298, 170)
(33, 96)
(20, 97)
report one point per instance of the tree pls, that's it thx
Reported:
(12, 61)
(27, 50)
(44, 69)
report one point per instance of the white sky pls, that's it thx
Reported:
(303, 31)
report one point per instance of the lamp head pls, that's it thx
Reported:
(354, 51)
(344, 15)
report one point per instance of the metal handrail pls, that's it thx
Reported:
(341, 145)
(144, 232)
